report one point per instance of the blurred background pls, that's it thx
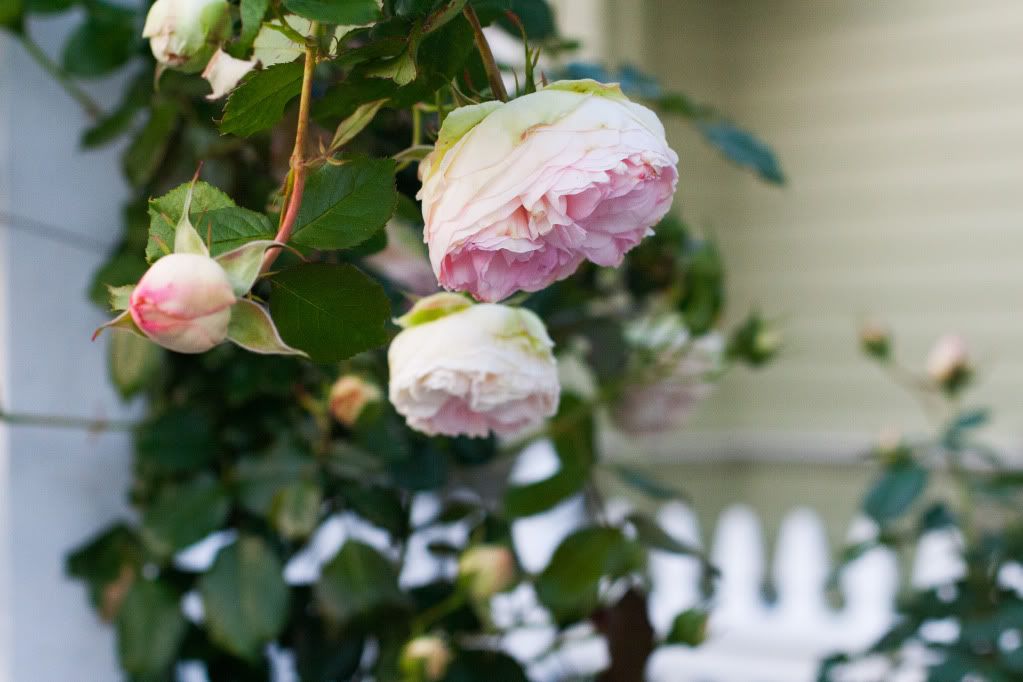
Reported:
(900, 129)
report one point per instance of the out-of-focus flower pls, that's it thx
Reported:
(516, 195)
(224, 72)
(183, 303)
(183, 34)
(404, 260)
(463, 369)
(349, 397)
(486, 570)
(426, 656)
(949, 363)
(876, 340)
(673, 373)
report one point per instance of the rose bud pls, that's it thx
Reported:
(183, 303)
(672, 375)
(876, 340)
(949, 363)
(463, 369)
(349, 397)
(184, 34)
(516, 195)
(486, 570)
(425, 657)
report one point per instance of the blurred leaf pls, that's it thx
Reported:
(133, 362)
(11, 15)
(568, 586)
(48, 6)
(108, 563)
(144, 155)
(259, 100)
(895, 491)
(574, 442)
(182, 515)
(357, 583)
(345, 205)
(252, 14)
(963, 422)
(606, 349)
(345, 12)
(379, 505)
(244, 597)
(703, 286)
(180, 439)
(331, 312)
(104, 41)
(646, 484)
(535, 15)
(260, 479)
(296, 509)
(688, 628)
(650, 534)
(117, 121)
(936, 517)
(743, 149)
(150, 628)
(473, 666)
(754, 342)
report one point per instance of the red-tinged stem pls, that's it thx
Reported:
(298, 157)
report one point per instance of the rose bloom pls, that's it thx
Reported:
(516, 195)
(183, 34)
(487, 570)
(675, 377)
(349, 396)
(472, 369)
(183, 303)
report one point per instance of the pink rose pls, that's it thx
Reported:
(183, 303)
(463, 369)
(516, 195)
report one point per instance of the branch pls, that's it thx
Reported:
(61, 76)
(493, 73)
(298, 157)
(60, 421)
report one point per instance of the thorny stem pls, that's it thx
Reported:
(493, 73)
(298, 158)
(61, 76)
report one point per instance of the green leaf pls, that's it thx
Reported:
(104, 562)
(180, 439)
(476, 665)
(703, 286)
(895, 491)
(332, 312)
(743, 149)
(107, 128)
(568, 586)
(295, 510)
(650, 534)
(11, 15)
(214, 216)
(357, 583)
(182, 515)
(252, 13)
(379, 505)
(252, 329)
(146, 152)
(150, 628)
(104, 41)
(261, 478)
(688, 628)
(345, 205)
(133, 363)
(259, 100)
(48, 6)
(349, 12)
(648, 485)
(245, 598)
(355, 124)
(536, 16)
(574, 442)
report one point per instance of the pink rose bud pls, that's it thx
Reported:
(463, 369)
(516, 195)
(949, 363)
(425, 657)
(183, 303)
(486, 570)
(349, 396)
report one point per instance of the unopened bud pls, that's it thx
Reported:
(350, 396)
(184, 34)
(426, 657)
(949, 363)
(486, 570)
(876, 340)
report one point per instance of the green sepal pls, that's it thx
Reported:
(122, 322)
(186, 238)
(243, 264)
(433, 308)
(588, 86)
(252, 328)
(120, 297)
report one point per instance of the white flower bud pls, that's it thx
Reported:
(486, 570)
(183, 34)
(427, 656)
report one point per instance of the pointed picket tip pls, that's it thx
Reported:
(122, 322)
(186, 238)
(252, 328)
(243, 264)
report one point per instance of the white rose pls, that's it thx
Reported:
(183, 34)
(463, 369)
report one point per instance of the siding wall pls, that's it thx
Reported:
(900, 126)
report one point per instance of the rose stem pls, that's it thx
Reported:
(61, 76)
(493, 73)
(298, 160)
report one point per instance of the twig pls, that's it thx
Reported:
(493, 72)
(61, 76)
